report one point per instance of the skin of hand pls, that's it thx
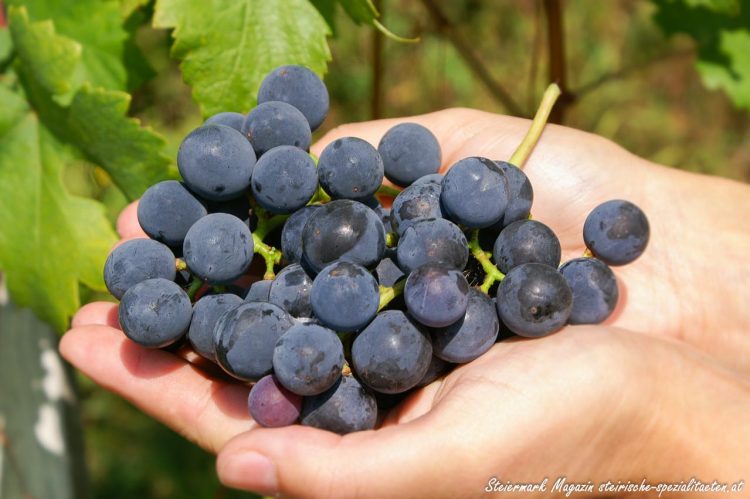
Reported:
(666, 375)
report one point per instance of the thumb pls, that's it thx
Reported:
(404, 460)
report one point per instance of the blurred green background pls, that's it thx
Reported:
(625, 78)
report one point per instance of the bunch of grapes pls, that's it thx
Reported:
(353, 305)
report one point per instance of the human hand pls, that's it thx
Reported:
(571, 172)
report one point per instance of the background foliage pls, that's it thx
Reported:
(95, 96)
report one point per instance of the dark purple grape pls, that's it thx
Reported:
(594, 290)
(526, 241)
(345, 296)
(343, 230)
(291, 234)
(410, 151)
(472, 335)
(534, 300)
(167, 210)
(218, 248)
(291, 291)
(284, 179)
(216, 162)
(137, 260)
(474, 193)
(259, 291)
(233, 120)
(155, 313)
(436, 296)
(433, 241)
(344, 408)
(521, 195)
(275, 123)
(271, 405)
(350, 168)
(206, 313)
(415, 203)
(616, 232)
(300, 87)
(308, 359)
(392, 354)
(438, 367)
(244, 339)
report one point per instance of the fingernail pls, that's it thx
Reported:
(249, 470)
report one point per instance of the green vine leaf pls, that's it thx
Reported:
(48, 119)
(721, 30)
(56, 240)
(228, 46)
(104, 40)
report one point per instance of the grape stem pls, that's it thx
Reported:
(266, 224)
(523, 151)
(387, 294)
(492, 273)
(388, 190)
(587, 253)
(391, 239)
(180, 264)
(192, 290)
(320, 196)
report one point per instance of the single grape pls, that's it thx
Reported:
(433, 241)
(534, 300)
(521, 195)
(271, 405)
(474, 193)
(472, 335)
(291, 234)
(388, 272)
(155, 313)
(137, 260)
(344, 408)
(432, 178)
(526, 241)
(206, 313)
(216, 162)
(350, 168)
(383, 213)
(410, 151)
(436, 296)
(274, 124)
(218, 248)
(167, 210)
(616, 232)
(259, 291)
(415, 203)
(291, 291)
(284, 179)
(300, 87)
(232, 120)
(345, 296)
(594, 290)
(392, 354)
(437, 368)
(308, 359)
(244, 339)
(343, 230)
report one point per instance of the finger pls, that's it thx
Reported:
(127, 222)
(306, 462)
(204, 410)
(100, 313)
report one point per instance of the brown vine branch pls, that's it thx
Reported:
(627, 70)
(447, 29)
(556, 51)
(376, 104)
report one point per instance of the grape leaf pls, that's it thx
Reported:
(56, 239)
(103, 38)
(50, 241)
(228, 46)
(95, 121)
(721, 30)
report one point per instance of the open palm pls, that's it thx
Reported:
(518, 394)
